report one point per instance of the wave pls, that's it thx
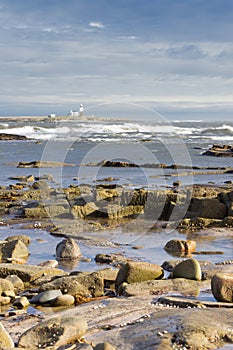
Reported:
(121, 131)
(36, 132)
(4, 125)
(219, 130)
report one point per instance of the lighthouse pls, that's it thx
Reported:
(81, 110)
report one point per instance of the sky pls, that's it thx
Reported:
(174, 56)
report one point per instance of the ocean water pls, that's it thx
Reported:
(83, 145)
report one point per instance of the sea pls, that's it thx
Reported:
(82, 145)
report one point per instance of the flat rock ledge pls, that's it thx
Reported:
(141, 323)
(9, 137)
(219, 151)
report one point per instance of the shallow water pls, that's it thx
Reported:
(139, 245)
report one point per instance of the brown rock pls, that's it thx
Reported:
(13, 250)
(178, 245)
(28, 273)
(222, 287)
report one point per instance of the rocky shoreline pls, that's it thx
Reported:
(131, 304)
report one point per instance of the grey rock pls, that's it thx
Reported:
(46, 297)
(68, 249)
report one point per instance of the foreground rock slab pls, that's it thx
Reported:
(142, 323)
(56, 331)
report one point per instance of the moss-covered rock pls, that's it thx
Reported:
(132, 272)
(189, 269)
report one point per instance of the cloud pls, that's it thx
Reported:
(98, 25)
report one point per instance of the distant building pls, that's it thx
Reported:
(76, 113)
(52, 115)
(73, 113)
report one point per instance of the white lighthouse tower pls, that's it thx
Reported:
(81, 110)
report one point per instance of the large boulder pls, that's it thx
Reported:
(138, 271)
(222, 287)
(67, 249)
(54, 332)
(189, 269)
(86, 285)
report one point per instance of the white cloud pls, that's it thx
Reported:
(98, 25)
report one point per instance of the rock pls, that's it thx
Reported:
(54, 332)
(114, 259)
(13, 250)
(180, 246)
(222, 287)
(199, 223)
(177, 183)
(104, 346)
(108, 275)
(29, 178)
(25, 239)
(68, 249)
(119, 211)
(21, 302)
(189, 269)
(159, 287)
(82, 211)
(6, 288)
(138, 271)
(6, 343)
(118, 164)
(86, 285)
(37, 212)
(42, 164)
(28, 273)
(7, 137)
(219, 151)
(4, 300)
(210, 208)
(17, 282)
(64, 300)
(46, 297)
(49, 263)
